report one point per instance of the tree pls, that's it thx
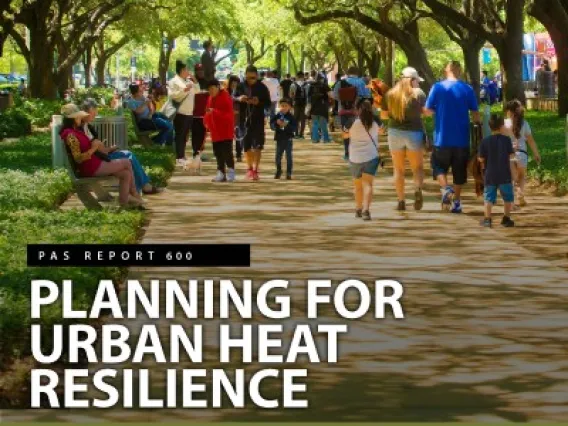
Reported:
(502, 27)
(394, 20)
(105, 47)
(553, 14)
(66, 27)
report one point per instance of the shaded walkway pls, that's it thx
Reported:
(485, 335)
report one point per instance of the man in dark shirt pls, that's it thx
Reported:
(285, 86)
(254, 99)
(495, 153)
(208, 62)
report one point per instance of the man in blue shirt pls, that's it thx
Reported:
(347, 111)
(451, 101)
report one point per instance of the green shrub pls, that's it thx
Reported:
(39, 111)
(28, 154)
(17, 229)
(43, 189)
(99, 94)
(14, 123)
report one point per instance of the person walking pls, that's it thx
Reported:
(348, 92)
(319, 99)
(220, 121)
(208, 62)
(182, 92)
(284, 126)
(298, 95)
(451, 101)
(273, 86)
(402, 107)
(364, 157)
(232, 86)
(254, 99)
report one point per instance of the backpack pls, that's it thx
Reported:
(347, 94)
(300, 94)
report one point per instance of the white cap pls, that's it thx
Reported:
(410, 72)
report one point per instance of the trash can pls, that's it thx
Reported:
(6, 100)
(112, 130)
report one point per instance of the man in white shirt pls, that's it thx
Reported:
(182, 91)
(273, 86)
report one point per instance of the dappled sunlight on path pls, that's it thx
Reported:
(485, 335)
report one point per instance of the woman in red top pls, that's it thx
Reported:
(82, 152)
(220, 121)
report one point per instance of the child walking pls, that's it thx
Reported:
(520, 133)
(220, 121)
(495, 154)
(284, 125)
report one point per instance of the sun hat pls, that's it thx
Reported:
(410, 72)
(72, 111)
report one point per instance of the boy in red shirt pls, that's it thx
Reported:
(220, 121)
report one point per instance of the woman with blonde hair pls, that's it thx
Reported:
(402, 107)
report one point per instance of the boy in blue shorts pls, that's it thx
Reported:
(495, 153)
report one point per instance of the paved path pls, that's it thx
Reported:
(486, 333)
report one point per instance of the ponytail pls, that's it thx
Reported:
(366, 114)
(515, 107)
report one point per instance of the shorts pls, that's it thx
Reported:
(455, 158)
(506, 190)
(368, 167)
(400, 140)
(253, 139)
(522, 159)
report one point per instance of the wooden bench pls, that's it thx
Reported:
(142, 135)
(84, 187)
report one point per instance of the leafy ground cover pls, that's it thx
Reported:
(30, 195)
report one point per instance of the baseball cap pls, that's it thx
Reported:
(72, 111)
(410, 72)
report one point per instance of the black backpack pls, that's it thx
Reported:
(300, 94)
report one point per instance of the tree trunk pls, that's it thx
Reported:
(554, 16)
(510, 52)
(88, 66)
(472, 67)
(164, 62)
(360, 62)
(302, 60)
(278, 58)
(416, 55)
(41, 64)
(100, 68)
(374, 64)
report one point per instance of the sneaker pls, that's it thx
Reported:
(239, 159)
(418, 200)
(288, 177)
(278, 175)
(522, 201)
(255, 175)
(250, 174)
(457, 208)
(231, 175)
(346, 157)
(315, 141)
(366, 215)
(326, 141)
(180, 162)
(401, 206)
(447, 197)
(219, 177)
(359, 213)
(507, 222)
(486, 223)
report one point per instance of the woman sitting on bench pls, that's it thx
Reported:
(141, 179)
(89, 158)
